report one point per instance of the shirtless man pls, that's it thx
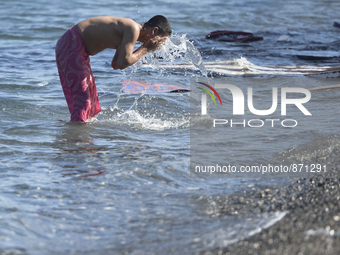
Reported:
(91, 36)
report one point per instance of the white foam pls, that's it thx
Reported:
(242, 66)
(252, 225)
(137, 121)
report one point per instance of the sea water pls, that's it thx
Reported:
(121, 184)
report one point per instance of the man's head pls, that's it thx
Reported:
(159, 24)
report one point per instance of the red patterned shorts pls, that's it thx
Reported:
(76, 76)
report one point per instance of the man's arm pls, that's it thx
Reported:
(114, 60)
(125, 56)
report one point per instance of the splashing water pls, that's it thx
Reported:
(176, 48)
(136, 120)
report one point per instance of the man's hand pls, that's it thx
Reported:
(124, 60)
(155, 43)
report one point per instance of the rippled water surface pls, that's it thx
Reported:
(121, 184)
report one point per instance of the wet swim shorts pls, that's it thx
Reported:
(76, 76)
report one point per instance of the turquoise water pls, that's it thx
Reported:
(121, 185)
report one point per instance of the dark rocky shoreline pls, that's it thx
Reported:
(311, 225)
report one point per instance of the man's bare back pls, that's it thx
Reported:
(100, 33)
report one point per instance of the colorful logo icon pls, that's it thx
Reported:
(209, 93)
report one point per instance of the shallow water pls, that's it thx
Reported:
(121, 184)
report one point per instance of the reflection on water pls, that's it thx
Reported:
(77, 149)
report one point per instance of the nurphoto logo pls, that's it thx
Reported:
(238, 108)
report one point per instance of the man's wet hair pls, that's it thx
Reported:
(161, 22)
